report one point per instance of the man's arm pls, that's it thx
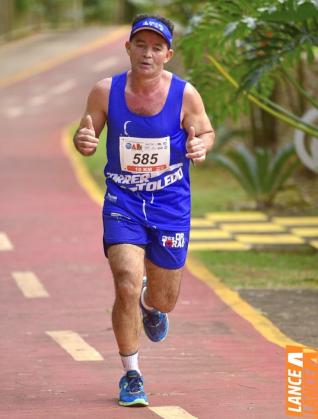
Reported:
(86, 137)
(196, 122)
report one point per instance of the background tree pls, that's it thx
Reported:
(260, 47)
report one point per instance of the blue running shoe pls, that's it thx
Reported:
(132, 390)
(156, 323)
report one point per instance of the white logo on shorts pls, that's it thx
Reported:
(175, 241)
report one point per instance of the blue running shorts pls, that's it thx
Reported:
(167, 249)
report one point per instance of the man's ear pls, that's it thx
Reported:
(127, 46)
(169, 55)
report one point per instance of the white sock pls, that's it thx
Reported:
(130, 362)
(143, 300)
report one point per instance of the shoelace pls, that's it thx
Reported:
(134, 384)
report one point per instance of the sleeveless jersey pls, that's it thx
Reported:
(147, 173)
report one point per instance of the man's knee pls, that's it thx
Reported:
(166, 306)
(164, 301)
(127, 286)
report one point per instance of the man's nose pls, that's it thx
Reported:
(147, 52)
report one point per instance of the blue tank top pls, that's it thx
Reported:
(147, 173)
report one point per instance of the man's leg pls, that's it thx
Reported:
(159, 296)
(127, 265)
(163, 286)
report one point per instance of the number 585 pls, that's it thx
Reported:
(145, 158)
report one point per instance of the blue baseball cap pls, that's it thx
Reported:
(152, 24)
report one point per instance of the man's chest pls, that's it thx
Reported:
(146, 105)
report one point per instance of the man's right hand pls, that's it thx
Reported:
(85, 140)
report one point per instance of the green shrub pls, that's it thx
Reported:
(262, 173)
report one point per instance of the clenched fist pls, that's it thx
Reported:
(85, 140)
(196, 147)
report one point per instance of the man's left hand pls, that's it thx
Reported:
(196, 147)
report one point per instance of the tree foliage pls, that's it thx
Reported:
(256, 44)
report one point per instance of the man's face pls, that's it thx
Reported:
(148, 52)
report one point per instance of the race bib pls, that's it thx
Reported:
(151, 155)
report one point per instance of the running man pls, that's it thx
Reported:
(156, 124)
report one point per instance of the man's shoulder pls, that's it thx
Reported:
(190, 92)
(103, 86)
(192, 100)
(101, 89)
(169, 75)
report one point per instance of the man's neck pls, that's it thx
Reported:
(144, 85)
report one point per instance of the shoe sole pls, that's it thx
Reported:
(137, 402)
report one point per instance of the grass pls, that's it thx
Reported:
(254, 269)
(213, 189)
(97, 161)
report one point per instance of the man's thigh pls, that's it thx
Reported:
(167, 249)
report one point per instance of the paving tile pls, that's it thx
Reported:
(252, 227)
(273, 239)
(296, 221)
(305, 232)
(314, 244)
(218, 245)
(209, 234)
(237, 216)
(201, 222)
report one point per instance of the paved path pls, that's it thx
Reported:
(58, 354)
(254, 229)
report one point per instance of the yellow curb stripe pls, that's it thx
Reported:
(306, 232)
(269, 239)
(81, 172)
(219, 245)
(30, 285)
(252, 227)
(264, 326)
(5, 243)
(296, 221)
(236, 216)
(75, 345)
(201, 222)
(231, 298)
(209, 234)
(53, 62)
(314, 244)
(172, 412)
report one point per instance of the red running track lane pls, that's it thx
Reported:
(213, 364)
